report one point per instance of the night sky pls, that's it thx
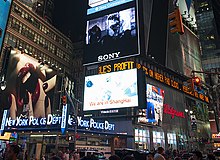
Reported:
(69, 18)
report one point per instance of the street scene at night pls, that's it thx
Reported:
(109, 80)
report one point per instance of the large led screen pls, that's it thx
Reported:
(155, 97)
(94, 3)
(102, 5)
(4, 13)
(111, 36)
(111, 90)
(29, 87)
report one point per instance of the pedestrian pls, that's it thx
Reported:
(211, 157)
(114, 157)
(159, 154)
(12, 152)
(150, 156)
(66, 155)
(197, 155)
(128, 157)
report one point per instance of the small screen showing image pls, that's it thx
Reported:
(155, 98)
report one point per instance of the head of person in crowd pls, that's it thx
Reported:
(150, 156)
(177, 158)
(55, 158)
(211, 157)
(175, 153)
(160, 150)
(197, 155)
(12, 152)
(129, 157)
(114, 157)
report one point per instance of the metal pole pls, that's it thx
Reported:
(75, 117)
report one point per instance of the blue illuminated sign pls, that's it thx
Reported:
(4, 117)
(4, 13)
(107, 6)
(64, 118)
(63, 121)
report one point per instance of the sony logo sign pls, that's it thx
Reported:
(109, 56)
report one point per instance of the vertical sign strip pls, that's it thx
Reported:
(5, 6)
(5, 113)
(64, 119)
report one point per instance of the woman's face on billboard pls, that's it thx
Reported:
(26, 85)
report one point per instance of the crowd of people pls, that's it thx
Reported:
(13, 151)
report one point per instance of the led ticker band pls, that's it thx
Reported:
(152, 71)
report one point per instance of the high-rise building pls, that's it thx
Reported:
(208, 31)
(43, 8)
(41, 39)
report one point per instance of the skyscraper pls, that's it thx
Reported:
(43, 8)
(206, 15)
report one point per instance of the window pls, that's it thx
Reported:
(142, 139)
(158, 139)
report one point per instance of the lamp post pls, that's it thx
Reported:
(75, 113)
(189, 130)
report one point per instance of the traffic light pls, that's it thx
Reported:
(64, 100)
(197, 81)
(197, 84)
(175, 22)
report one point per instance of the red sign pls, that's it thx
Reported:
(167, 109)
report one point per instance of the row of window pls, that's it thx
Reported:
(142, 139)
(39, 25)
(38, 39)
(16, 42)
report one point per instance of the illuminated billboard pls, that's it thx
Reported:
(154, 98)
(111, 36)
(94, 3)
(102, 5)
(5, 6)
(29, 87)
(111, 90)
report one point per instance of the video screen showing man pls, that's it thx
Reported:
(115, 32)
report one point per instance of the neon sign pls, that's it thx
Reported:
(171, 111)
(20, 122)
(158, 73)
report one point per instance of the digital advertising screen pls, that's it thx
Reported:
(94, 3)
(155, 98)
(111, 36)
(97, 6)
(111, 90)
(5, 6)
(29, 88)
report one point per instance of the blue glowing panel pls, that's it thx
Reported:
(103, 5)
(4, 13)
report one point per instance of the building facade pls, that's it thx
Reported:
(35, 42)
(38, 37)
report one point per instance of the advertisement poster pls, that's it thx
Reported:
(111, 90)
(111, 36)
(155, 98)
(5, 6)
(29, 87)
